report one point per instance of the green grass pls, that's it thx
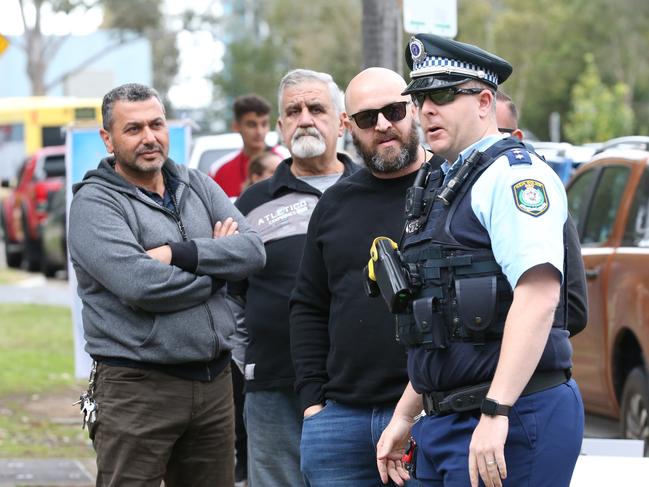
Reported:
(36, 351)
(37, 384)
(28, 436)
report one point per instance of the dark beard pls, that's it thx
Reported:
(394, 161)
(129, 160)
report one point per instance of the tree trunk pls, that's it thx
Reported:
(34, 48)
(382, 34)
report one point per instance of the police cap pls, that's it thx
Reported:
(436, 62)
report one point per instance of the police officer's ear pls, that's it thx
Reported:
(486, 99)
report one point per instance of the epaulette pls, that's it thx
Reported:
(518, 156)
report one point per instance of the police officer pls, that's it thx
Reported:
(488, 351)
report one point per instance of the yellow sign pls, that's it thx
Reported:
(4, 43)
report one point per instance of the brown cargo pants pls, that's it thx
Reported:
(152, 426)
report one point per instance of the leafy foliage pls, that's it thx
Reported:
(288, 34)
(546, 43)
(599, 113)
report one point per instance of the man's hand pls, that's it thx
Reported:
(225, 229)
(162, 254)
(487, 451)
(311, 410)
(390, 449)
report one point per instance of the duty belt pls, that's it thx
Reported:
(470, 398)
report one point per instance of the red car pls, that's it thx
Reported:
(24, 210)
(609, 200)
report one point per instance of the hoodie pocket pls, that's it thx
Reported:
(223, 320)
(181, 336)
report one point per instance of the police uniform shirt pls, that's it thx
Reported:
(522, 204)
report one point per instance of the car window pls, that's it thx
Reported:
(636, 231)
(603, 209)
(578, 194)
(54, 166)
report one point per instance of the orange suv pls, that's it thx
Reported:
(609, 200)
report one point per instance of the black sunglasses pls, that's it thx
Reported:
(393, 112)
(444, 96)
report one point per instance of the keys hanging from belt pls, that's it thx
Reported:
(88, 405)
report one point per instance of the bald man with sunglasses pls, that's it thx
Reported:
(350, 372)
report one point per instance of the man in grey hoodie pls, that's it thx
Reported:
(152, 244)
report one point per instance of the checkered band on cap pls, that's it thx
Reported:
(441, 65)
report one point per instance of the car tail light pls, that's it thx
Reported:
(41, 203)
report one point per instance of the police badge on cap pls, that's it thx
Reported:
(417, 50)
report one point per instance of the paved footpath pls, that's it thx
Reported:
(37, 290)
(73, 473)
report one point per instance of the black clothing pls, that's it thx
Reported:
(576, 292)
(342, 341)
(279, 209)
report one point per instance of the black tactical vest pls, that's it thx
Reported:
(462, 294)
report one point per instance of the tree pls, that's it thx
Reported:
(383, 34)
(533, 36)
(598, 112)
(546, 42)
(144, 18)
(131, 21)
(271, 37)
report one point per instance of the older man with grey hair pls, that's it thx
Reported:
(279, 208)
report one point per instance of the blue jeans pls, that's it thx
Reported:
(339, 446)
(274, 424)
(542, 446)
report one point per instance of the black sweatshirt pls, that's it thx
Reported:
(343, 342)
(279, 209)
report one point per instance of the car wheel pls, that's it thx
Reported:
(634, 414)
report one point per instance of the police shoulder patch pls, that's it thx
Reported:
(518, 156)
(530, 197)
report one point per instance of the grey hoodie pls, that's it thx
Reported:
(136, 307)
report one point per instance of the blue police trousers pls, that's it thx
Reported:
(544, 440)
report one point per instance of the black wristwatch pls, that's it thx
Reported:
(494, 408)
